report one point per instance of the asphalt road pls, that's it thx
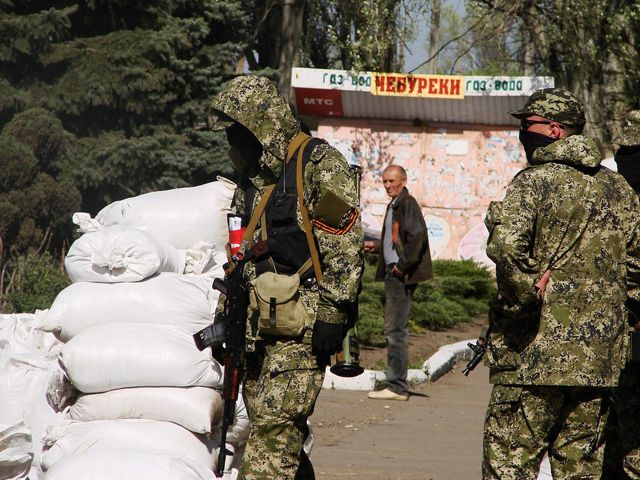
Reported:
(433, 437)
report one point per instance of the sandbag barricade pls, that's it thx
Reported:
(130, 378)
(26, 359)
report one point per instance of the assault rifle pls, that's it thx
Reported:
(233, 334)
(479, 349)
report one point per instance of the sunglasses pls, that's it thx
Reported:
(525, 123)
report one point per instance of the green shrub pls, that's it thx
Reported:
(459, 291)
(35, 281)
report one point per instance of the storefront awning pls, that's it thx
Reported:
(418, 98)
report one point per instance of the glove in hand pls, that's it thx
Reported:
(326, 337)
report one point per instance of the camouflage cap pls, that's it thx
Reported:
(555, 104)
(630, 135)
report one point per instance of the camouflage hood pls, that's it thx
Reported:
(255, 102)
(576, 150)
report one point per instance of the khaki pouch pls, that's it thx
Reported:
(277, 299)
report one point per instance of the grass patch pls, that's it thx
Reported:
(459, 291)
(31, 282)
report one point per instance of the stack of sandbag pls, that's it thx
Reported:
(26, 358)
(140, 400)
(187, 226)
(181, 217)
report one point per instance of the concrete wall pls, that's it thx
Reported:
(454, 172)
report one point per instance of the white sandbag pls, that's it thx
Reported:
(19, 386)
(40, 417)
(23, 344)
(202, 257)
(196, 408)
(120, 253)
(167, 298)
(15, 451)
(238, 433)
(26, 354)
(78, 437)
(129, 464)
(181, 217)
(124, 355)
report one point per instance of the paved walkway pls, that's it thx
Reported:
(438, 437)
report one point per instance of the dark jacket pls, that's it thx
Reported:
(410, 239)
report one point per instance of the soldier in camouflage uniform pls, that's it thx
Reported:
(284, 375)
(566, 243)
(622, 458)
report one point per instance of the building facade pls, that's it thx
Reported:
(452, 134)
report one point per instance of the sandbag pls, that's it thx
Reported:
(196, 408)
(39, 418)
(187, 301)
(18, 388)
(15, 451)
(181, 217)
(26, 356)
(22, 344)
(125, 355)
(128, 464)
(78, 437)
(238, 432)
(120, 253)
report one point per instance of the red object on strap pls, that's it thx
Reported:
(541, 284)
(235, 239)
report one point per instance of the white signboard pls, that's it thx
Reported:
(363, 81)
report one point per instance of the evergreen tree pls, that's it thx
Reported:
(122, 87)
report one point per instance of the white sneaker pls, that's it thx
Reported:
(387, 394)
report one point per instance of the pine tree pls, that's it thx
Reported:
(128, 83)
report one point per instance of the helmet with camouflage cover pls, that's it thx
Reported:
(254, 102)
(554, 104)
(630, 135)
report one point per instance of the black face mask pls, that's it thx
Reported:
(531, 141)
(245, 145)
(628, 163)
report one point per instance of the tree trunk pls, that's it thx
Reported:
(434, 37)
(290, 35)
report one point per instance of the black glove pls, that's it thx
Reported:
(326, 338)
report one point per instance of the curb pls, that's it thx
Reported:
(433, 368)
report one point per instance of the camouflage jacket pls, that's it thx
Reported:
(256, 104)
(569, 215)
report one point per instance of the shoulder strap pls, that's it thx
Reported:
(304, 213)
(247, 238)
(298, 140)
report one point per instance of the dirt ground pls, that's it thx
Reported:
(436, 435)
(421, 346)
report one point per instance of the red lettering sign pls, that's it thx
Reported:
(455, 86)
(319, 102)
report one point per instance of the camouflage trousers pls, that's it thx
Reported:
(525, 422)
(281, 385)
(622, 455)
